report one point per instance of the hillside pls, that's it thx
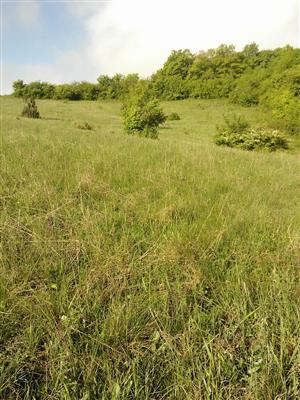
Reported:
(143, 269)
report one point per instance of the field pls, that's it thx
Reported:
(146, 269)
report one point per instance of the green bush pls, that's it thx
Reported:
(253, 139)
(142, 115)
(236, 132)
(30, 109)
(173, 117)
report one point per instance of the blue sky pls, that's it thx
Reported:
(44, 40)
(38, 37)
(63, 41)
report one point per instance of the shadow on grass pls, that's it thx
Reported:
(52, 119)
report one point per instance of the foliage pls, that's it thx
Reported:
(18, 87)
(107, 88)
(275, 85)
(247, 89)
(39, 90)
(286, 110)
(253, 139)
(236, 132)
(171, 87)
(210, 88)
(178, 63)
(67, 92)
(30, 109)
(86, 90)
(251, 51)
(169, 83)
(116, 87)
(250, 77)
(142, 115)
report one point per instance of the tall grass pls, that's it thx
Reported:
(138, 269)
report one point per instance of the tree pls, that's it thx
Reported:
(18, 87)
(225, 50)
(105, 83)
(39, 90)
(142, 114)
(178, 63)
(251, 50)
(67, 92)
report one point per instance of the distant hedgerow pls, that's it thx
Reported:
(237, 133)
(30, 109)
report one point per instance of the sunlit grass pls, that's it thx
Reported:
(145, 269)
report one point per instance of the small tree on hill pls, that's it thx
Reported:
(142, 114)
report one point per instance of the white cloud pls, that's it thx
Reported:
(138, 35)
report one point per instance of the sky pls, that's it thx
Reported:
(65, 41)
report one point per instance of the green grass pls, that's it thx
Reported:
(143, 269)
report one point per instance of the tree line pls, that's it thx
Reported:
(269, 78)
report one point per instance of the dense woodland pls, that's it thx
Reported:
(269, 78)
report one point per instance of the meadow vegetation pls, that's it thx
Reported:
(147, 269)
(237, 132)
(268, 78)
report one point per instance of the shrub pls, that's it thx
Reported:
(142, 115)
(253, 139)
(30, 109)
(236, 132)
(173, 117)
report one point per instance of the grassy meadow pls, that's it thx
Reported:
(146, 269)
